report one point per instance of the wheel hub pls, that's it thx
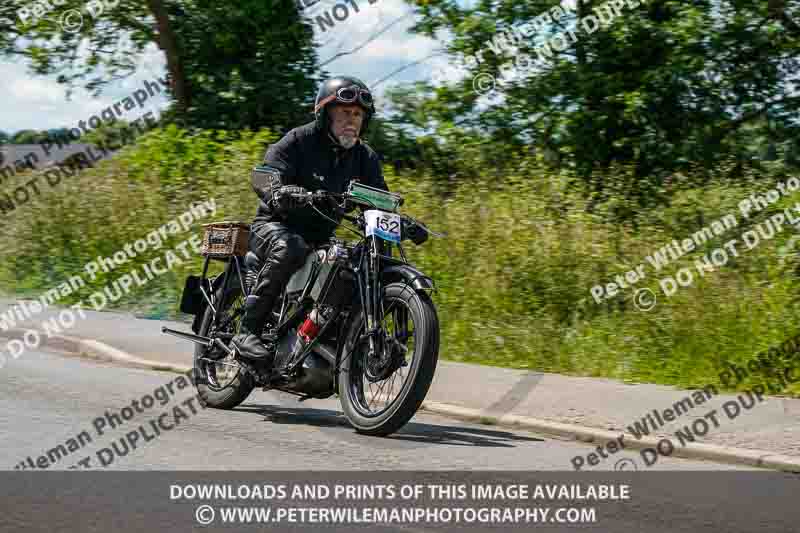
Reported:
(380, 367)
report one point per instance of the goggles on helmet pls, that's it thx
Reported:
(348, 95)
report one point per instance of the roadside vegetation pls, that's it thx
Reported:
(514, 273)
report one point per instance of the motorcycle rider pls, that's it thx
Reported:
(322, 155)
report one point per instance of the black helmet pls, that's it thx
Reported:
(344, 90)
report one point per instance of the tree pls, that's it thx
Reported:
(4, 138)
(252, 64)
(229, 64)
(28, 137)
(660, 86)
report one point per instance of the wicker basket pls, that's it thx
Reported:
(224, 239)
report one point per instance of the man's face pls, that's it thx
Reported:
(346, 121)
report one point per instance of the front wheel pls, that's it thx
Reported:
(380, 393)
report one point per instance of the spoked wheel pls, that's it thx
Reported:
(222, 383)
(380, 393)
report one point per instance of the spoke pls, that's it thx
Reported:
(374, 396)
(397, 329)
(369, 402)
(380, 389)
(360, 391)
(386, 311)
(394, 377)
(390, 390)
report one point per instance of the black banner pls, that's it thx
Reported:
(618, 502)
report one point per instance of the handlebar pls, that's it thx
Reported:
(310, 197)
(415, 230)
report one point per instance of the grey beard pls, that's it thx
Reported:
(347, 141)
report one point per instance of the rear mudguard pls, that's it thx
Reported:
(216, 283)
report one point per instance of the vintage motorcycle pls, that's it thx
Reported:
(353, 320)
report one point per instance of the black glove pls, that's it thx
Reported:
(266, 180)
(349, 206)
(290, 197)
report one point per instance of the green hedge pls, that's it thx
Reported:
(514, 273)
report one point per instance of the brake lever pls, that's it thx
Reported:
(426, 228)
(435, 234)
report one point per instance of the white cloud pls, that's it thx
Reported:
(34, 90)
(395, 48)
(38, 102)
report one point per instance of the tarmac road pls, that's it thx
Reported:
(47, 399)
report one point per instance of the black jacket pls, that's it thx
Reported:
(309, 157)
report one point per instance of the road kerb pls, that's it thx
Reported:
(722, 454)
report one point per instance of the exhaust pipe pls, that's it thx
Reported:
(325, 351)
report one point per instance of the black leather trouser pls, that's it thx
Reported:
(283, 252)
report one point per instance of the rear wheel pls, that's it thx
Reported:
(380, 394)
(223, 383)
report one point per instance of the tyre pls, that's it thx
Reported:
(222, 384)
(402, 375)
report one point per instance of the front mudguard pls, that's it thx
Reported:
(404, 273)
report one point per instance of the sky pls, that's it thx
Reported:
(31, 101)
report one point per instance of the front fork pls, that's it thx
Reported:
(373, 298)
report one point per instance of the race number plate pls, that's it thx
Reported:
(383, 225)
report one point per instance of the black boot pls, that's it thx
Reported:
(248, 342)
